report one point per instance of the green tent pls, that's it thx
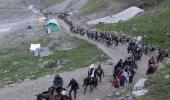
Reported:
(52, 26)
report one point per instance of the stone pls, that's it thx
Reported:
(47, 75)
(32, 76)
(114, 89)
(129, 94)
(117, 94)
(108, 96)
(5, 71)
(40, 59)
(41, 65)
(15, 63)
(110, 62)
(167, 77)
(124, 90)
(122, 98)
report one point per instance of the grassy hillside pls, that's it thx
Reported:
(158, 86)
(93, 6)
(47, 3)
(17, 65)
(154, 24)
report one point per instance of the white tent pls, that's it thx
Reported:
(122, 16)
(34, 47)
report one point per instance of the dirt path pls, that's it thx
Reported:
(28, 89)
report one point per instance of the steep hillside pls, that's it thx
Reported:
(47, 3)
(153, 25)
(101, 8)
(12, 10)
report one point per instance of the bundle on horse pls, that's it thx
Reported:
(90, 81)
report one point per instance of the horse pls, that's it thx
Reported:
(48, 95)
(90, 81)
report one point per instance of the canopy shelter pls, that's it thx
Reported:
(52, 26)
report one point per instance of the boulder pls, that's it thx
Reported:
(139, 92)
(167, 77)
(140, 84)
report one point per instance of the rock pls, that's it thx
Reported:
(47, 75)
(130, 98)
(32, 76)
(117, 94)
(5, 51)
(124, 90)
(114, 89)
(41, 65)
(5, 71)
(129, 94)
(102, 55)
(71, 68)
(40, 59)
(167, 77)
(122, 98)
(110, 62)
(109, 95)
(15, 63)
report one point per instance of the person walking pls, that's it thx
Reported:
(74, 87)
(58, 83)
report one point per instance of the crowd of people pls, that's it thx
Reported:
(124, 71)
(58, 92)
(105, 37)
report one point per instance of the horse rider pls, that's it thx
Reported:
(91, 71)
(58, 83)
(74, 87)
